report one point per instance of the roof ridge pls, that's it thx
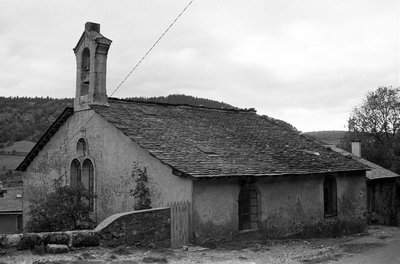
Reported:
(246, 110)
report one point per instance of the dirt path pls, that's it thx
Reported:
(386, 253)
(380, 245)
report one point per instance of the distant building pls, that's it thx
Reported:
(241, 172)
(383, 185)
(11, 211)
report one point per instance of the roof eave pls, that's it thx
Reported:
(99, 40)
(202, 176)
(11, 212)
(79, 42)
(383, 178)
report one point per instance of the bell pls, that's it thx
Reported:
(86, 80)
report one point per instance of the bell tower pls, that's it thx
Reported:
(91, 68)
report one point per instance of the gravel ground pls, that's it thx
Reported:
(312, 251)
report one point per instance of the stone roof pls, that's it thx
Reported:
(205, 142)
(11, 201)
(376, 172)
(92, 31)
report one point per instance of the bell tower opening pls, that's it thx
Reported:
(85, 78)
(91, 61)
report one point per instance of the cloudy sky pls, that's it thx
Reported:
(308, 62)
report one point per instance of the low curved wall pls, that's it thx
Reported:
(145, 228)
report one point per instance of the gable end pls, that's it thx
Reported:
(45, 138)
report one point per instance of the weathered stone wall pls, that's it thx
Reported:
(147, 228)
(290, 206)
(114, 157)
(384, 202)
(26, 241)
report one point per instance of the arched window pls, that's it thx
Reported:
(81, 147)
(330, 196)
(88, 180)
(75, 173)
(85, 71)
(248, 207)
(86, 60)
(82, 176)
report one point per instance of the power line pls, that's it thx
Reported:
(152, 47)
(66, 141)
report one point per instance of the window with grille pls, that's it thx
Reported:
(330, 197)
(75, 173)
(85, 72)
(248, 207)
(87, 180)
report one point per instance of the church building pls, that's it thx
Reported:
(240, 171)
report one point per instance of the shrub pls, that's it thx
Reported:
(141, 192)
(64, 209)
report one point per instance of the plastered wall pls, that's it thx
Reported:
(289, 206)
(384, 201)
(114, 157)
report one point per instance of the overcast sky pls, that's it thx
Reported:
(308, 62)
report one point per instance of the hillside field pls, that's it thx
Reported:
(9, 162)
(20, 146)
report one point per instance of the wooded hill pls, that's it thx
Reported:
(182, 99)
(27, 118)
(329, 136)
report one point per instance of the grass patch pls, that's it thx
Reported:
(9, 162)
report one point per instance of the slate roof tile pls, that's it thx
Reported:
(241, 142)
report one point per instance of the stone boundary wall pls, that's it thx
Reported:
(26, 241)
(146, 228)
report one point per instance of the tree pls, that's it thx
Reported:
(379, 114)
(384, 153)
(66, 208)
(376, 124)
